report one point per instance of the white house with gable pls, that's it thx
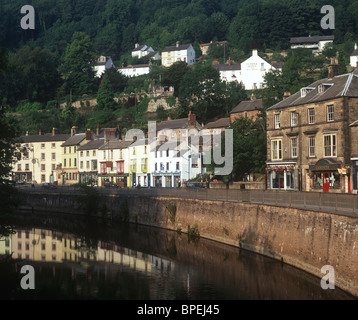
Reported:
(102, 64)
(179, 52)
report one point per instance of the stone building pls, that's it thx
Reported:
(310, 136)
(247, 109)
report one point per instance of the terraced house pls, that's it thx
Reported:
(310, 135)
(68, 172)
(40, 157)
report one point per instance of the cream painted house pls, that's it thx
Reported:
(69, 168)
(179, 52)
(139, 170)
(41, 156)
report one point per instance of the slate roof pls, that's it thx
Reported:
(354, 53)
(176, 48)
(140, 47)
(93, 144)
(314, 39)
(220, 123)
(345, 85)
(43, 138)
(74, 140)
(227, 67)
(115, 144)
(248, 106)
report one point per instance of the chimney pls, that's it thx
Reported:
(254, 52)
(191, 119)
(177, 44)
(97, 132)
(54, 131)
(74, 130)
(136, 45)
(333, 69)
(229, 61)
(286, 94)
(109, 134)
(88, 134)
(252, 97)
(40, 132)
(355, 46)
(27, 133)
(215, 61)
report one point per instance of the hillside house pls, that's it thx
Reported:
(316, 43)
(102, 64)
(179, 52)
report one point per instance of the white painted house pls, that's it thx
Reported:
(135, 70)
(250, 73)
(172, 163)
(102, 64)
(316, 43)
(354, 57)
(179, 52)
(141, 51)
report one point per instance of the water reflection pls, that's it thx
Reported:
(132, 262)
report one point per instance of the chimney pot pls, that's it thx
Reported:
(40, 132)
(333, 69)
(177, 44)
(88, 134)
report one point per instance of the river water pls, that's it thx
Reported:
(77, 258)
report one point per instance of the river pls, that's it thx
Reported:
(82, 258)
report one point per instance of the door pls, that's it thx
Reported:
(326, 182)
(355, 187)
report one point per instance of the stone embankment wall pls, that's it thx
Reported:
(305, 239)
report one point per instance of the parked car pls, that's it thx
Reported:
(49, 186)
(195, 185)
(108, 184)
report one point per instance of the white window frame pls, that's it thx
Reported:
(293, 118)
(277, 121)
(294, 147)
(276, 153)
(330, 113)
(311, 117)
(311, 146)
(332, 146)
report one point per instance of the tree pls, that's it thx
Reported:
(117, 80)
(173, 75)
(105, 95)
(78, 65)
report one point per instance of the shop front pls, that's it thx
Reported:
(281, 176)
(354, 173)
(120, 179)
(326, 175)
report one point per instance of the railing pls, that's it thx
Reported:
(339, 203)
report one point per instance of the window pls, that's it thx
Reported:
(87, 153)
(294, 147)
(64, 150)
(64, 162)
(167, 166)
(43, 178)
(93, 164)
(53, 145)
(293, 118)
(94, 152)
(167, 153)
(81, 154)
(53, 167)
(103, 167)
(75, 162)
(43, 167)
(330, 113)
(81, 164)
(277, 121)
(276, 150)
(27, 166)
(178, 166)
(311, 118)
(42, 146)
(312, 146)
(53, 156)
(42, 157)
(330, 145)
(87, 165)
(155, 166)
(120, 166)
(19, 167)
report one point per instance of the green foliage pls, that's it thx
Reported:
(172, 210)
(105, 95)
(193, 233)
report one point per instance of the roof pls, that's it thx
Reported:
(355, 52)
(248, 106)
(93, 144)
(220, 123)
(115, 144)
(227, 67)
(139, 142)
(136, 66)
(140, 47)
(277, 65)
(74, 140)
(177, 48)
(314, 39)
(345, 85)
(172, 124)
(44, 138)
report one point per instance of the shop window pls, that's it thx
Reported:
(332, 178)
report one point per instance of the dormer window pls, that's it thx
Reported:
(305, 91)
(324, 86)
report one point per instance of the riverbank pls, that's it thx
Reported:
(306, 239)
